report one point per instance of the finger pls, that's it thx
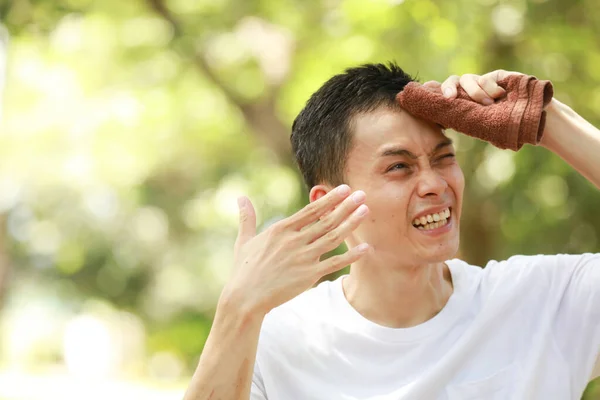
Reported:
(433, 86)
(488, 83)
(332, 239)
(449, 87)
(332, 220)
(315, 210)
(247, 224)
(495, 77)
(469, 83)
(336, 263)
(500, 74)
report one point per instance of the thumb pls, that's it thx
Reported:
(247, 226)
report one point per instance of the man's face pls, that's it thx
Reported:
(407, 168)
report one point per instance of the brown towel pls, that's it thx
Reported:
(518, 117)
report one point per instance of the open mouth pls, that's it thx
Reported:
(433, 221)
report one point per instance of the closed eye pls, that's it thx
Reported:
(449, 155)
(401, 166)
(397, 167)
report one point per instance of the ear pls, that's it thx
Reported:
(318, 191)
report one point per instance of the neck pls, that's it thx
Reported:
(398, 296)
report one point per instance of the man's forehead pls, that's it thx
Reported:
(400, 150)
(394, 127)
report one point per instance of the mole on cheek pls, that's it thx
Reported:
(373, 220)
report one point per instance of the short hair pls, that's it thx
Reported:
(322, 132)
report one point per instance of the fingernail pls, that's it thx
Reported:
(487, 101)
(361, 248)
(362, 210)
(359, 196)
(448, 92)
(241, 201)
(343, 190)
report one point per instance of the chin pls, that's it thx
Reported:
(443, 252)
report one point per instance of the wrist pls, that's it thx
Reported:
(557, 115)
(233, 301)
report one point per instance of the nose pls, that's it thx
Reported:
(431, 183)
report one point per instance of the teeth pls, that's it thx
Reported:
(429, 221)
(433, 225)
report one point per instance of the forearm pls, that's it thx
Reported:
(227, 363)
(575, 140)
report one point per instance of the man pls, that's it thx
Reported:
(408, 322)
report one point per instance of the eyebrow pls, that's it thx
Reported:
(398, 151)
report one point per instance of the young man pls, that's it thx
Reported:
(409, 321)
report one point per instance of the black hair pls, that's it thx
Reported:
(322, 132)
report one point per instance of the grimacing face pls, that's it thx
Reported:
(407, 168)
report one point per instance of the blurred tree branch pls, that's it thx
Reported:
(261, 115)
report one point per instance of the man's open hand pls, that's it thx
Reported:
(284, 260)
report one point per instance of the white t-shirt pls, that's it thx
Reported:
(525, 328)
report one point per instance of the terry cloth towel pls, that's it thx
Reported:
(518, 117)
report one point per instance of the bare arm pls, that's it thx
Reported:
(227, 362)
(574, 139)
(270, 269)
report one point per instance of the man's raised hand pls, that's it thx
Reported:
(483, 89)
(284, 260)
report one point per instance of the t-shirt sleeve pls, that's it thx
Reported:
(257, 391)
(577, 327)
(568, 286)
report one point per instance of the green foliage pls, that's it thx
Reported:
(184, 336)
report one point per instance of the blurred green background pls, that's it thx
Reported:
(129, 128)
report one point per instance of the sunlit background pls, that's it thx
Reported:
(129, 128)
